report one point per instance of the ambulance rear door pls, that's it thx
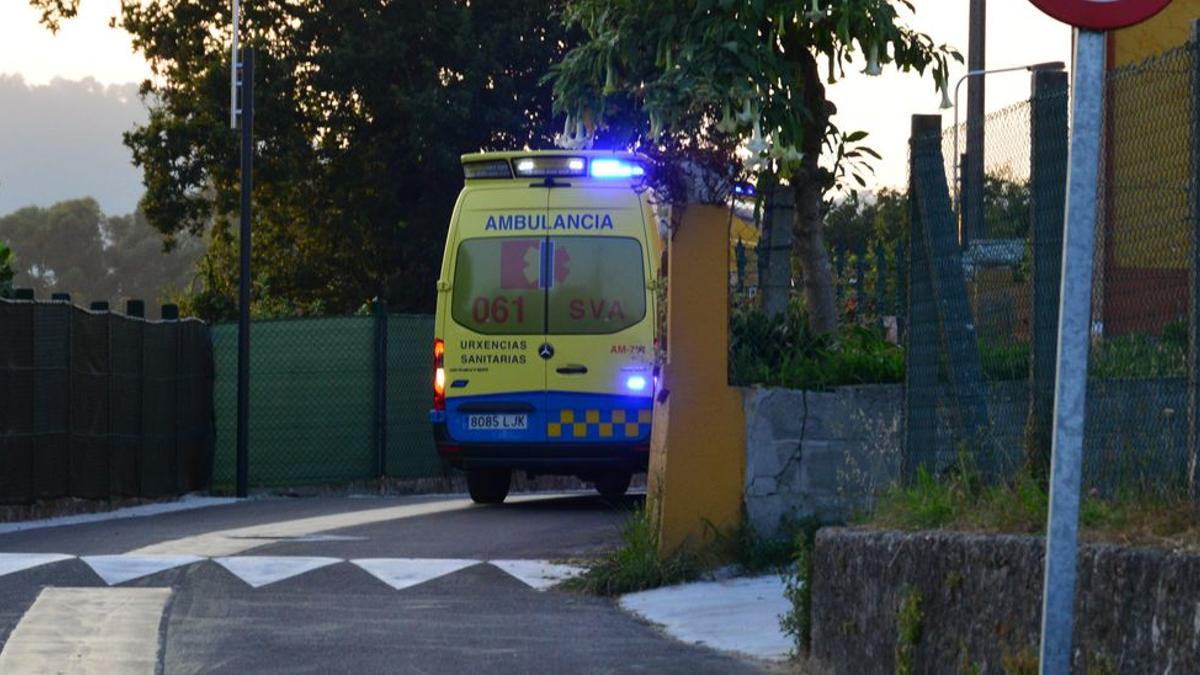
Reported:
(495, 381)
(599, 316)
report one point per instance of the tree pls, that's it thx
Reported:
(855, 223)
(6, 271)
(75, 248)
(362, 111)
(750, 69)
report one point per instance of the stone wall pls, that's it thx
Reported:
(818, 454)
(979, 609)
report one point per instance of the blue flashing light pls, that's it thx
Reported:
(743, 189)
(636, 383)
(615, 168)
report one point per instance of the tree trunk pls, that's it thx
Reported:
(808, 240)
(809, 246)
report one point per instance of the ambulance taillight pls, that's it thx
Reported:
(439, 374)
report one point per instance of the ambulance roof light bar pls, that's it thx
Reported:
(540, 167)
(606, 167)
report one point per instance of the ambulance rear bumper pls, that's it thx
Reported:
(544, 458)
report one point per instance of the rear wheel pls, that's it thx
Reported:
(488, 486)
(613, 484)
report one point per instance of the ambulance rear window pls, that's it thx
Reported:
(599, 285)
(497, 286)
(571, 285)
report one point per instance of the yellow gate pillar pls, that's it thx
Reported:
(697, 448)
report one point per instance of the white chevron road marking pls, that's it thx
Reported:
(88, 630)
(406, 572)
(260, 570)
(117, 569)
(15, 562)
(538, 574)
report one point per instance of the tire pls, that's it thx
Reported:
(613, 485)
(488, 486)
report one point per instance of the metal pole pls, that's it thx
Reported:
(1071, 373)
(233, 71)
(380, 314)
(1193, 470)
(243, 413)
(972, 221)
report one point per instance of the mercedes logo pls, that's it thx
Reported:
(546, 351)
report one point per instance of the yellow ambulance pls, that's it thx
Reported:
(545, 327)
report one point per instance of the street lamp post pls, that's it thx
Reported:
(241, 117)
(978, 194)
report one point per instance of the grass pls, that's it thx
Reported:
(960, 500)
(636, 565)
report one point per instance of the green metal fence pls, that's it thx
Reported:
(332, 399)
(982, 313)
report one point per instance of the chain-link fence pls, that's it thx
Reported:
(868, 271)
(332, 399)
(99, 406)
(983, 307)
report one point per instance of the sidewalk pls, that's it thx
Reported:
(736, 615)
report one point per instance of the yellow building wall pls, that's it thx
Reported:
(1169, 28)
(1149, 131)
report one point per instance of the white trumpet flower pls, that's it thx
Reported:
(814, 13)
(757, 144)
(564, 140)
(728, 123)
(873, 68)
(580, 139)
(946, 102)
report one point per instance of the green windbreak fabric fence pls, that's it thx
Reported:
(97, 405)
(332, 399)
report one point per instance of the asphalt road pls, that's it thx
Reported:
(369, 603)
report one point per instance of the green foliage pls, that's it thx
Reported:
(361, 113)
(1006, 206)
(636, 564)
(858, 224)
(785, 351)
(1004, 360)
(6, 271)
(108, 257)
(54, 11)
(910, 623)
(960, 499)
(741, 68)
(1134, 355)
(755, 553)
(797, 588)
(1139, 355)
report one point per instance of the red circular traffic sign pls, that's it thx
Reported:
(1101, 14)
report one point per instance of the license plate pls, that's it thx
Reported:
(497, 422)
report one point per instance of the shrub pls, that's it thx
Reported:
(797, 588)
(783, 351)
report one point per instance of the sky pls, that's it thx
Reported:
(83, 155)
